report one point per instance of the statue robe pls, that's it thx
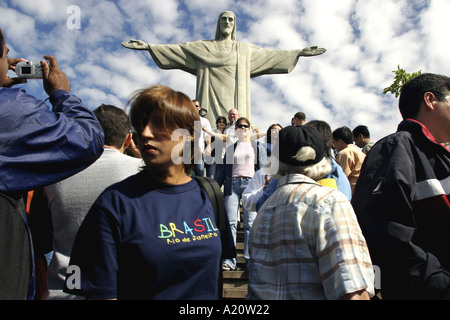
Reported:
(223, 77)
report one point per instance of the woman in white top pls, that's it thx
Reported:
(241, 162)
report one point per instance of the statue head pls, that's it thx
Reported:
(226, 24)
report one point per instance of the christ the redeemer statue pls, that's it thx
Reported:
(223, 66)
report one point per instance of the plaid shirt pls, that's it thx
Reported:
(306, 243)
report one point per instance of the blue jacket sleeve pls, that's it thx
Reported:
(342, 182)
(40, 146)
(271, 188)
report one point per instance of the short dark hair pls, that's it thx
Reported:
(115, 123)
(325, 129)
(413, 91)
(221, 118)
(269, 131)
(343, 133)
(242, 119)
(300, 116)
(2, 42)
(361, 129)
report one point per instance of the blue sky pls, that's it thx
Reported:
(366, 40)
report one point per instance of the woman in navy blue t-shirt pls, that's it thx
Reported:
(153, 235)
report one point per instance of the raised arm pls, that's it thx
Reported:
(54, 78)
(217, 135)
(253, 136)
(257, 135)
(9, 82)
(136, 45)
(311, 51)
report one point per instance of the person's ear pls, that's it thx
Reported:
(127, 141)
(430, 100)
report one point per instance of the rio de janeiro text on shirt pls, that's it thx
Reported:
(200, 229)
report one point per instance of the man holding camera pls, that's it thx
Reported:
(38, 147)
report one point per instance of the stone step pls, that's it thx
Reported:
(236, 274)
(240, 258)
(236, 289)
(235, 282)
(234, 294)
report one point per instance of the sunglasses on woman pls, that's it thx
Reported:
(242, 126)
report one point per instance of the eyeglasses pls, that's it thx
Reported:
(242, 126)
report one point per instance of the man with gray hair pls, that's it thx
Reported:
(305, 242)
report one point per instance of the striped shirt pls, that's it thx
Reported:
(306, 243)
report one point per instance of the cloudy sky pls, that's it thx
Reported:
(365, 40)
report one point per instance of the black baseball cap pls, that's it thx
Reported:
(291, 139)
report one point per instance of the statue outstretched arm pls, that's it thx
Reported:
(136, 45)
(166, 56)
(311, 51)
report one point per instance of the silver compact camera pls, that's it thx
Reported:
(29, 70)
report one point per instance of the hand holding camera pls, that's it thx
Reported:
(10, 82)
(29, 70)
(53, 77)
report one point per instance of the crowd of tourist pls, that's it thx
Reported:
(104, 205)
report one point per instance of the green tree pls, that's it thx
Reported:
(401, 77)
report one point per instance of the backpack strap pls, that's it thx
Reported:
(215, 194)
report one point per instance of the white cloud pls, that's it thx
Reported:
(434, 25)
(155, 21)
(95, 97)
(274, 31)
(18, 28)
(101, 22)
(45, 11)
(327, 23)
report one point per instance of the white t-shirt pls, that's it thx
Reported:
(244, 160)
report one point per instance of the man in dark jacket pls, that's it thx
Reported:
(38, 147)
(402, 195)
